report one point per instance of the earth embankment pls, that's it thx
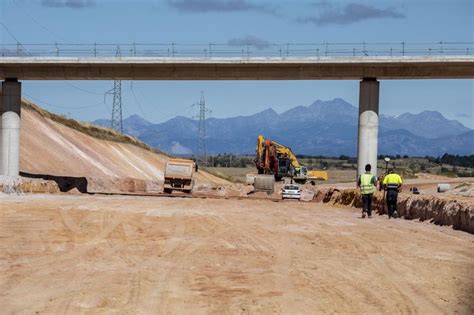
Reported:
(53, 146)
(457, 212)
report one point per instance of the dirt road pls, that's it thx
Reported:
(145, 255)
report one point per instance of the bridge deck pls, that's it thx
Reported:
(236, 68)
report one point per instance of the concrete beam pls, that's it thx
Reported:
(10, 110)
(368, 125)
(165, 68)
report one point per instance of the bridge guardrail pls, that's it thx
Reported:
(243, 50)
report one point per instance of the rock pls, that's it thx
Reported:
(74, 191)
(307, 196)
(19, 185)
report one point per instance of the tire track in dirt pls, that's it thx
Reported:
(221, 234)
(404, 297)
(187, 255)
(394, 269)
(403, 302)
(349, 280)
(156, 299)
(283, 269)
(312, 281)
(104, 225)
(243, 237)
(216, 256)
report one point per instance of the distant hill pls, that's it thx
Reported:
(322, 128)
(427, 124)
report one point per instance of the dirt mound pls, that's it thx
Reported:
(17, 185)
(439, 210)
(465, 189)
(61, 147)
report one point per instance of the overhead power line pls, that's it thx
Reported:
(16, 39)
(59, 106)
(38, 22)
(9, 32)
(81, 89)
(136, 100)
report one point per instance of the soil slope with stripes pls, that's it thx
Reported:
(58, 146)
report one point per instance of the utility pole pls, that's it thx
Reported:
(201, 150)
(116, 121)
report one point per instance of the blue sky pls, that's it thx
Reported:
(221, 21)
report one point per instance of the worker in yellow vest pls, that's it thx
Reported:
(392, 183)
(367, 183)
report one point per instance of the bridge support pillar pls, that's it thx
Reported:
(368, 125)
(10, 108)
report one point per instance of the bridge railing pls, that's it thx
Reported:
(238, 49)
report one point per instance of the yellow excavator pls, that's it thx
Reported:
(279, 160)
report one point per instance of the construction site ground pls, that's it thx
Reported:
(147, 255)
(222, 249)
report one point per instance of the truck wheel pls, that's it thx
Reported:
(167, 190)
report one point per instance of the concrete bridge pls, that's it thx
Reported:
(366, 69)
(236, 68)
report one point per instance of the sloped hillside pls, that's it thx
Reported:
(54, 145)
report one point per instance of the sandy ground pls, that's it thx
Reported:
(145, 255)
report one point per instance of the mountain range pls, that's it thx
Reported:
(322, 128)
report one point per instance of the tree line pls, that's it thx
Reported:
(456, 160)
(237, 160)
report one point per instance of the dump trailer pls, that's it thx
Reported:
(179, 175)
(280, 161)
(264, 183)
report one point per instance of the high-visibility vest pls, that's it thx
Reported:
(366, 186)
(392, 181)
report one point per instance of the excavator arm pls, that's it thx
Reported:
(266, 158)
(275, 158)
(271, 158)
(286, 151)
(260, 151)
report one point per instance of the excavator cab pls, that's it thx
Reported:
(279, 160)
(304, 170)
(284, 166)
